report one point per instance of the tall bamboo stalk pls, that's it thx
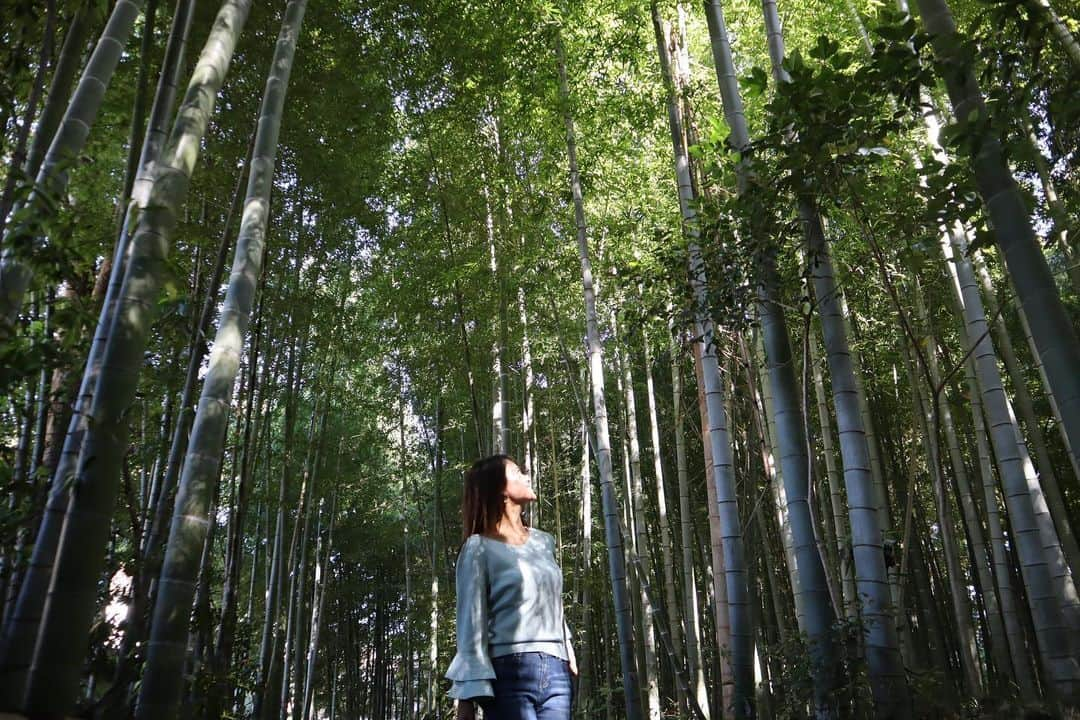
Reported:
(972, 523)
(1055, 335)
(956, 581)
(882, 645)
(70, 138)
(1020, 670)
(1058, 28)
(616, 562)
(56, 99)
(666, 547)
(637, 528)
(1017, 484)
(809, 581)
(836, 490)
(724, 683)
(735, 574)
(1021, 396)
(690, 605)
(318, 605)
(71, 603)
(764, 413)
(33, 99)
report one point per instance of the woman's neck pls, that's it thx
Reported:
(511, 524)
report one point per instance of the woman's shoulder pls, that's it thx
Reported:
(470, 547)
(544, 537)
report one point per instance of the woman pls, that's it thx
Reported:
(514, 656)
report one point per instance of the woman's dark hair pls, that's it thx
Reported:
(482, 500)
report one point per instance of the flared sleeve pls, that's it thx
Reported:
(471, 669)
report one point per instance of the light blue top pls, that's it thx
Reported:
(509, 600)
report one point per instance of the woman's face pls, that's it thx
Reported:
(518, 485)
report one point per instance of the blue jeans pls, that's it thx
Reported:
(529, 686)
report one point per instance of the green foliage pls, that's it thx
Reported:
(410, 125)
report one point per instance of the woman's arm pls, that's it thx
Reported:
(471, 668)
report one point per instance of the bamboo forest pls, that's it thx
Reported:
(777, 304)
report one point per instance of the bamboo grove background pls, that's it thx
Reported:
(274, 274)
